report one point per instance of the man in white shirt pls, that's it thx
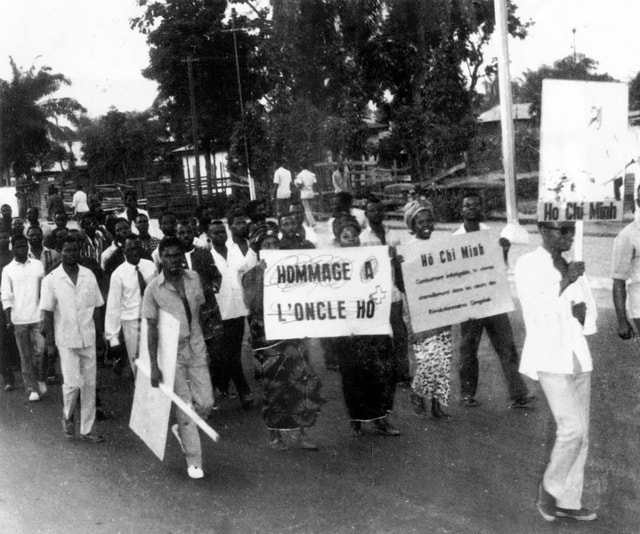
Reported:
(20, 289)
(625, 271)
(70, 301)
(558, 312)
(305, 180)
(229, 257)
(282, 187)
(79, 203)
(498, 328)
(124, 302)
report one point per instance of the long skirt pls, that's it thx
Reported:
(369, 374)
(433, 358)
(291, 389)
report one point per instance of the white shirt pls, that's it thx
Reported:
(124, 302)
(20, 290)
(72, 306)
(134, 228)
(282, 177)
(554, 336)
(626, 264)
(306, 179)
(369, 239)
(310, 234)
(231, 295)
(462, 229)
(79, 202)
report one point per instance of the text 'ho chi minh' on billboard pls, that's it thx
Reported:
(583, 150)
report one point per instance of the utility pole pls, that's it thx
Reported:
(252, 185)
(518, 234)
(194, 123)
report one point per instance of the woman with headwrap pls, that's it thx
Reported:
(366, 363)
(432, 348)
(291, 389)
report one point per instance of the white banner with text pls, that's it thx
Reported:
(584, 150)
(453, 279)
(327, 292)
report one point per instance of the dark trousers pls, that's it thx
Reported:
(498, 328)
(226, 359)
(400, 342)
(8, 353)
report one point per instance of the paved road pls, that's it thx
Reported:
(477, 474)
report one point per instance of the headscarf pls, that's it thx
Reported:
(412, 209)
(261, 232)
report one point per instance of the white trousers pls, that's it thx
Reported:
(79, 378)
(569, 397)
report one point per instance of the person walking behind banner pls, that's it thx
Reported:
(377, 233)
(20, 290)
(178, 292)
(229, 257)
(366, 363)
(124, 301)
(291, 389)
(282, 187)
(291, 234)
(305, 180)
(433, 348)
(498, 328)
(71, 300)
(559, 311)
(304, 230)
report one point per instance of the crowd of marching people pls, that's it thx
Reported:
(74, 299)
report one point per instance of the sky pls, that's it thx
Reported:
(91, 43)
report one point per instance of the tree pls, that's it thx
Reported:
(580, 67)
(416, 61)
(198, 29)
(634, 93)
(122, 145)
(35, 128)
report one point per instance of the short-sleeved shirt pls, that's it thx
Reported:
(162, 295)
(20, 290)
(626, 264)
(282, 177)
(72, 306)
(306, 179)
(79, 202)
